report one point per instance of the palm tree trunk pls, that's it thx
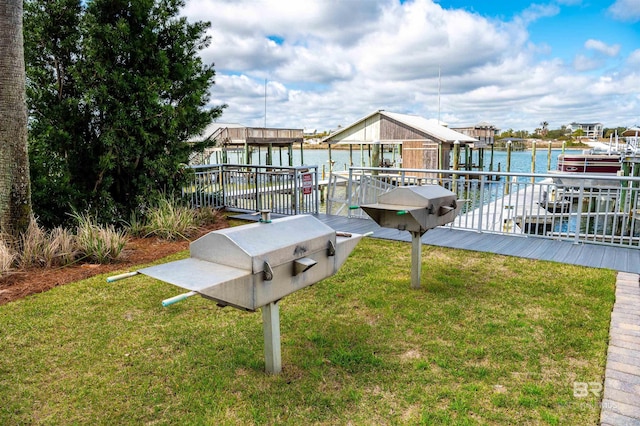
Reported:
(15, 188)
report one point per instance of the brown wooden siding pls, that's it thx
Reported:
(420, 155)
(393, 130)
(258, 136)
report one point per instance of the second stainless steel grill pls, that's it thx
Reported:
(415, 209)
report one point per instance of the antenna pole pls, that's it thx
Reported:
(439, 80)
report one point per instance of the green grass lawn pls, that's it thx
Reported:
(486, 340)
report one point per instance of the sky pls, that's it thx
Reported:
(320, 64)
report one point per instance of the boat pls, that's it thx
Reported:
(583, 169)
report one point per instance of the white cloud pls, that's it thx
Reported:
(586, 63)
(625, 10)
(323, 64)
(414, 40)
(538, 11)
(634, 58)
(602, 47)
(336, 61)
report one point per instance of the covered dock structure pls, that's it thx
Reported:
(420, 143)
(224, 140)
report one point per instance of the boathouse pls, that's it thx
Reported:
(484, 132)
(230, 142)
(422, 143)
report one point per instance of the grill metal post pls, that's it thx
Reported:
(416, 259)
(271, 327)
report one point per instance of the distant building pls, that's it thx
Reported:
(484, 132)
(591, 130)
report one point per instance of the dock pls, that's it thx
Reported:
(510, 212)
(527, 246)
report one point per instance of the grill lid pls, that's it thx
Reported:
(278, 242)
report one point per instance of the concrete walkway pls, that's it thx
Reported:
(621, 400)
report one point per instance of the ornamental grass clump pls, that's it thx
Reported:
(40, 248)
(7, 258)
(101, 244)
(63, 246)
(207, 215)
(170, 220)
(33, 246)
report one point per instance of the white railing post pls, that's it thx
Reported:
(481, 203)
(349, 187)
(294, 194)
(579, 213)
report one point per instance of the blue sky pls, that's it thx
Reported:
(512, 63)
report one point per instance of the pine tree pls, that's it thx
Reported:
(114, 96)
(15, 197)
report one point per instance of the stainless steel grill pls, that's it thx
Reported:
(255, 265)
(415, 209)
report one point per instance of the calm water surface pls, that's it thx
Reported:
(520, 160)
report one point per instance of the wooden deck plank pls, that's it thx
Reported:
(532, 247)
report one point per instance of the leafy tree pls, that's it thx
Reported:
(15, 189)
(116, 88)
(556, 133)
(506, 134)
(545, 128)
(612, 131)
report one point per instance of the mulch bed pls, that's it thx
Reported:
(19, 284)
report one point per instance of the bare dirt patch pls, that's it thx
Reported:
(18, 284)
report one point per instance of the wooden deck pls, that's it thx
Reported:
(531, 247)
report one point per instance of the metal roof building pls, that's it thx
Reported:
(384, 127)
(425, 144)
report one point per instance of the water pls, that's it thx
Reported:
(520, 160)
